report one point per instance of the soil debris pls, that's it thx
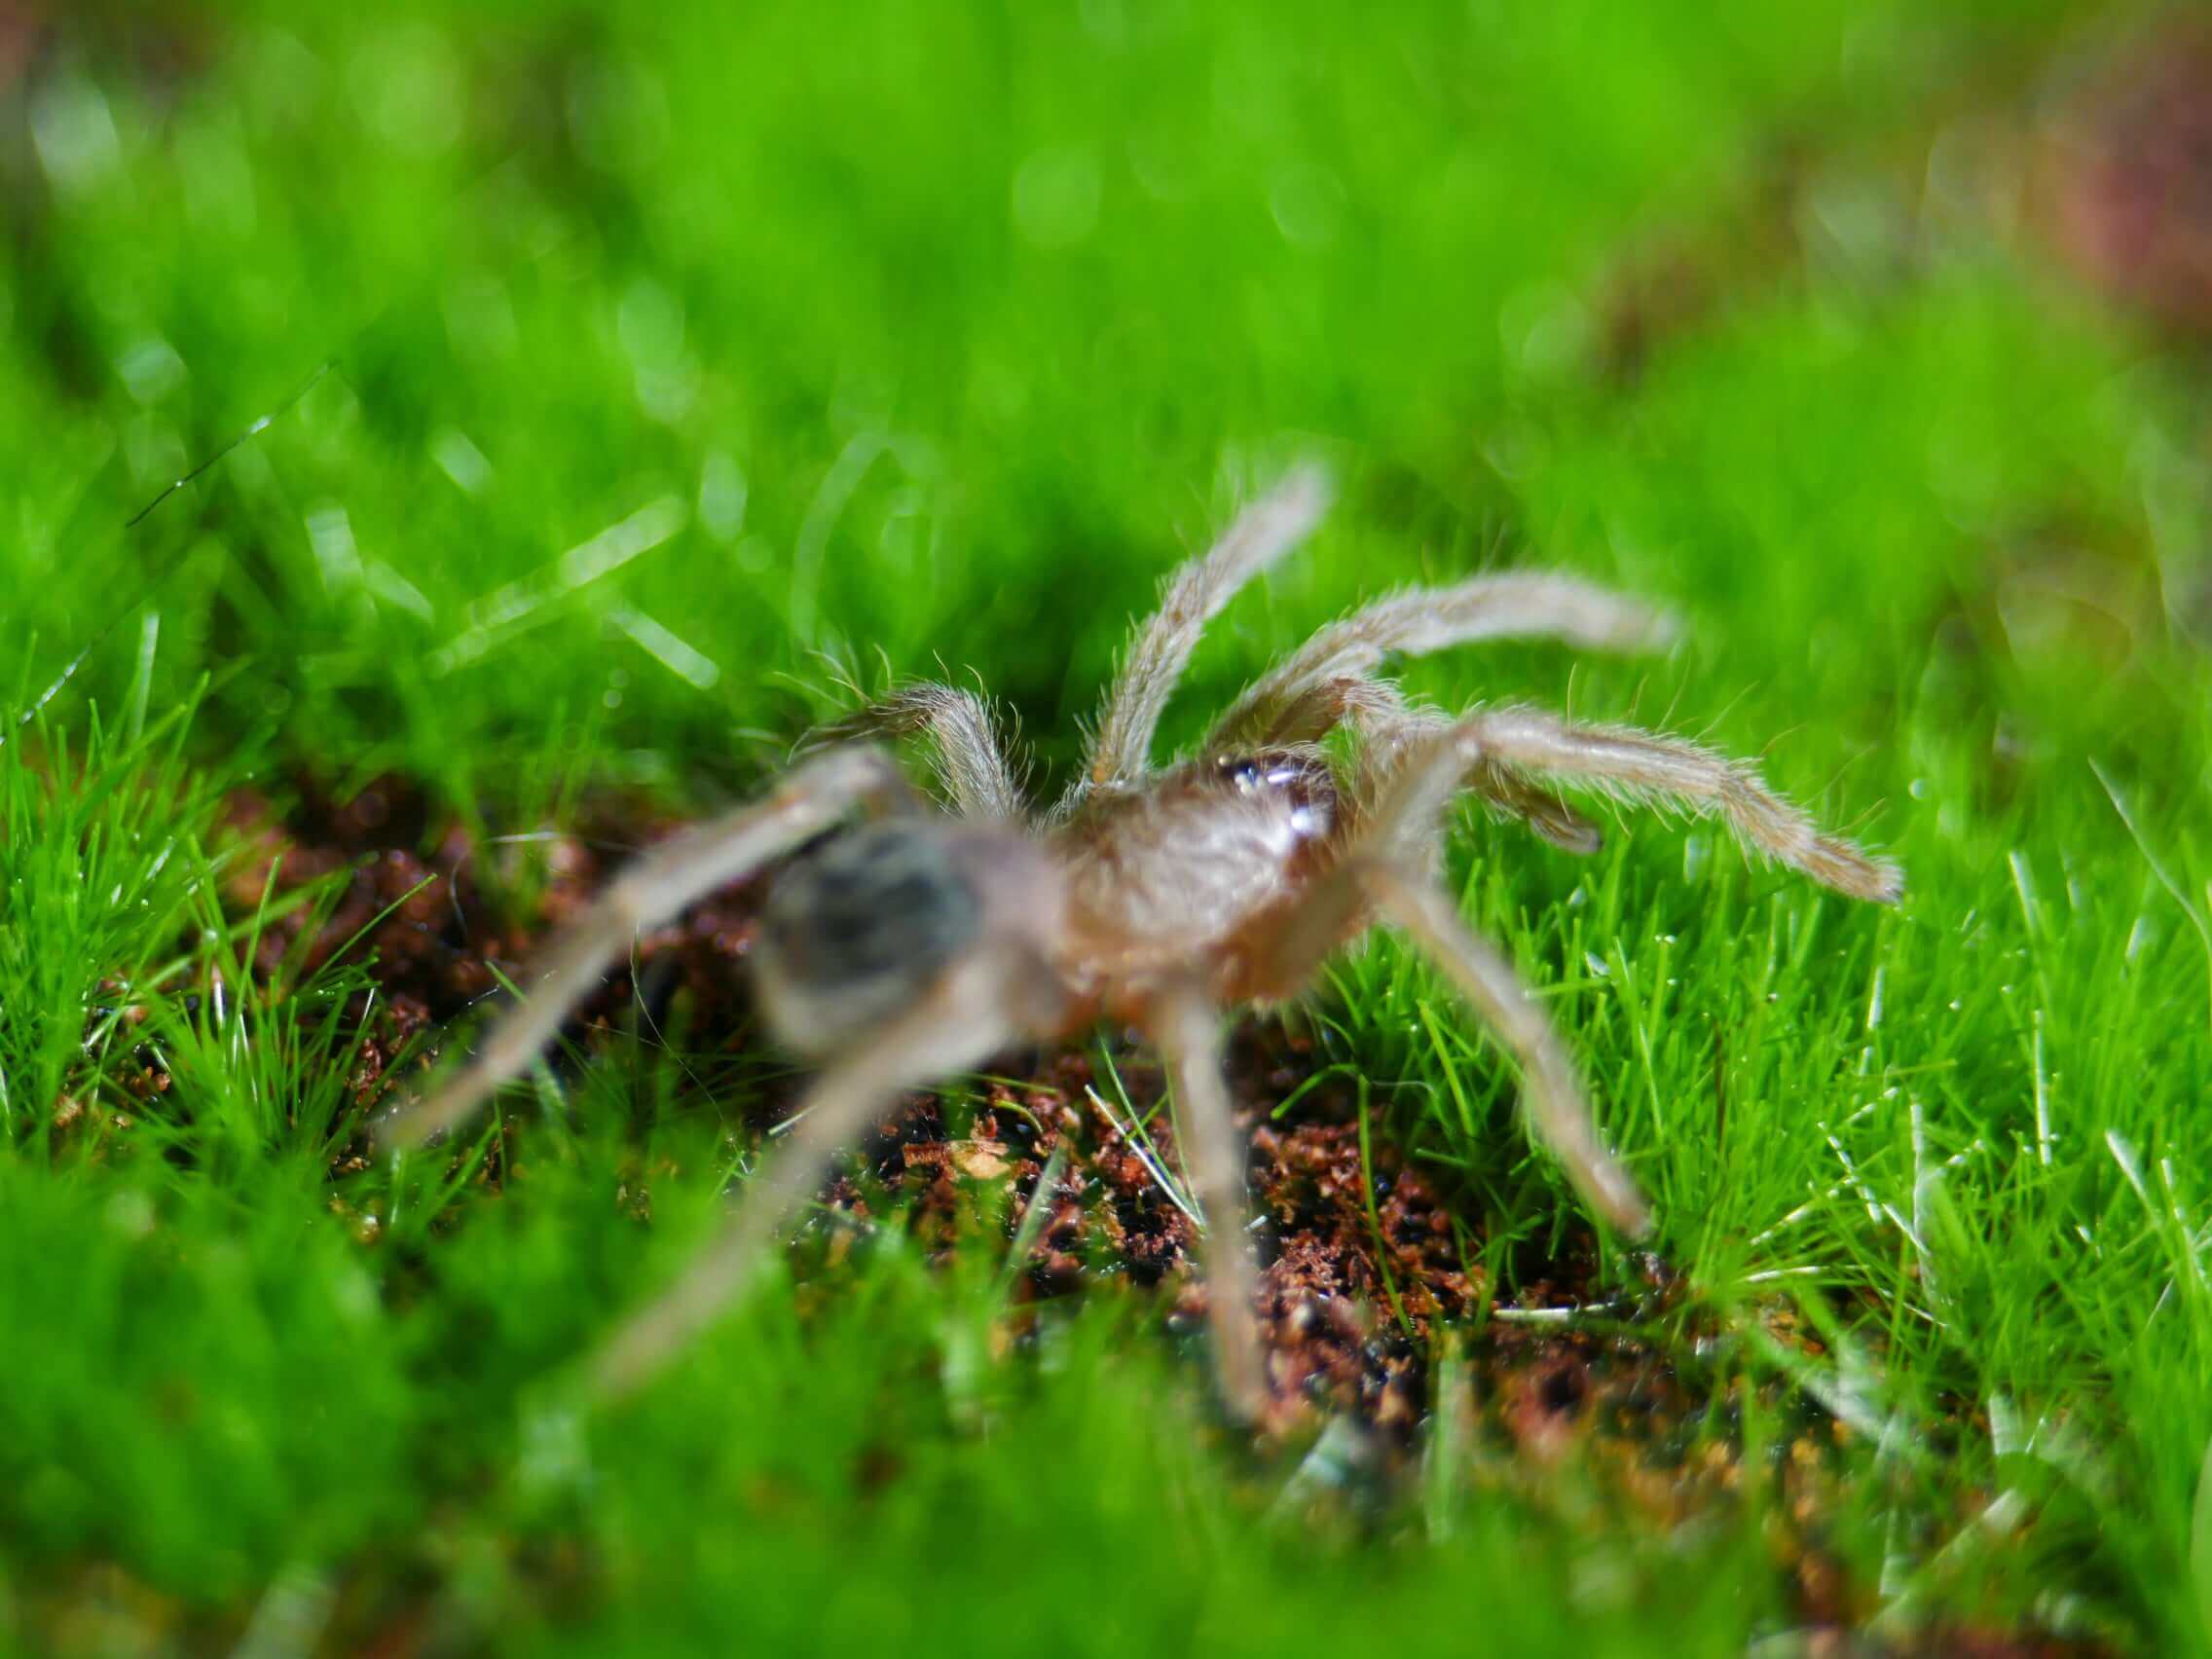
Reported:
(1371, 1268)
(1366, 1260)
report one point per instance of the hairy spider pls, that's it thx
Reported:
(914, 943)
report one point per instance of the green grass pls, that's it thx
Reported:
(920, 333)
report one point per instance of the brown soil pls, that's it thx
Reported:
(1349, 1317)
(1371, 1270)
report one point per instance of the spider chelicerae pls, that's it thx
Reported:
(901, 942)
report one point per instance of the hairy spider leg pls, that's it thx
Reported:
(1519, 604)
(968, 760)
(1624, 761)
(1262, 534)
(652, 889)
(1387, 725)
(1369, 884)
(1187, 1026)
(1551, 1095)
(954, 1028)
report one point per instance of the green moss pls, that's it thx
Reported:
(848, 345)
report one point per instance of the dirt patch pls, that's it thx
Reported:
(1367, 1260)
(1382, 1322)
(414, 901)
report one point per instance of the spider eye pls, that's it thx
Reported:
(1244, 774)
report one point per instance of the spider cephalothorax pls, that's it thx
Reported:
(1174, 874)
(921, 941)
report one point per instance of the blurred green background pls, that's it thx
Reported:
(940, 331)
(636, 376)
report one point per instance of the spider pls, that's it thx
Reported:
(900, 944)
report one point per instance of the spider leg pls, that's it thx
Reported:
(1624, 760)
(959, 1023)
(1523, 603)
(1187, 1026)
(1557, 1108)
(1387, 725)
(1368, 885)
(652, 889)
(1537, 806)
(1261, 533)
(966, 757)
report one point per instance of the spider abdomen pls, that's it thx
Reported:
(858, 924)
